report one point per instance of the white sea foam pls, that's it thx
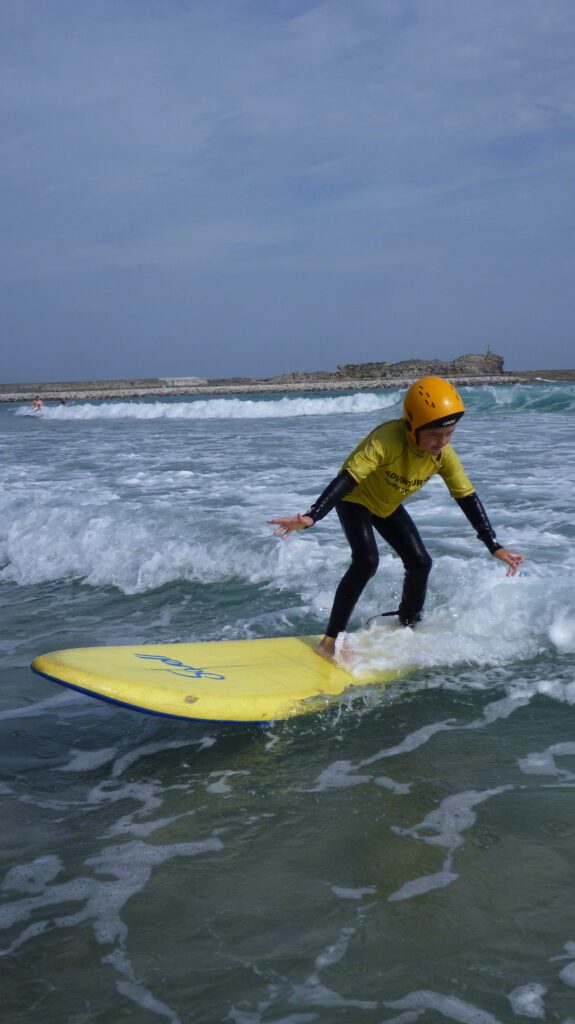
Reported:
(467, 629)
(569, 948)
(135, 557)
(221, 786)
(134, 990)
(519, 696)
(562, 632)
(89, 551)
(238, 1016)
(33, 877)
(313, 991)
(400, 788)
(353, 894)
(412, 741)
(424, 884)
(543, 762)
(338, 776)
(127, 826)
(147, 749)
(454, 816)
(223, 408)
(345, 774)
(448, 1006)
(40, 707)
(567, 975)
(527, 1000)
(126, 870)
(88, 760)
(514, 398)
(405, 1018)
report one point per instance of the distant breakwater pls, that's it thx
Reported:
(88, 391)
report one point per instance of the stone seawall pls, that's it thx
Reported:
(89, 393)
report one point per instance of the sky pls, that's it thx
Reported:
(222, 188)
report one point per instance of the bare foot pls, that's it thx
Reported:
(326, 648)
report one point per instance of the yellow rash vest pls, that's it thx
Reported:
(388, 468)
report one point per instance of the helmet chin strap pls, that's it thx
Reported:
(441, 424)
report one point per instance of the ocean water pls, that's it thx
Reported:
(408, 854)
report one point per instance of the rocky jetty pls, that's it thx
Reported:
(487, 365)
(484, 369)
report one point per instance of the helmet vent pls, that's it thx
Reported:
(426, 397)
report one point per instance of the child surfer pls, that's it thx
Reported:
(393, 462)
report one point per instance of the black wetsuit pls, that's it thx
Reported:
(401, 533)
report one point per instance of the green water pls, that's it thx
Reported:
(409, 854)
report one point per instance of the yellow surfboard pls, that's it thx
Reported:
(225, 681)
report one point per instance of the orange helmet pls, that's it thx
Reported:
(431, 402)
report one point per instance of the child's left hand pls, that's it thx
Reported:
(511, 558)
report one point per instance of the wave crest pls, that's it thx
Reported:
(221, 408)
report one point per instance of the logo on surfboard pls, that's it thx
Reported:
(187, 671)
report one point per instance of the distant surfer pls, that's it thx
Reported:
(389, 465)
(37, 404)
